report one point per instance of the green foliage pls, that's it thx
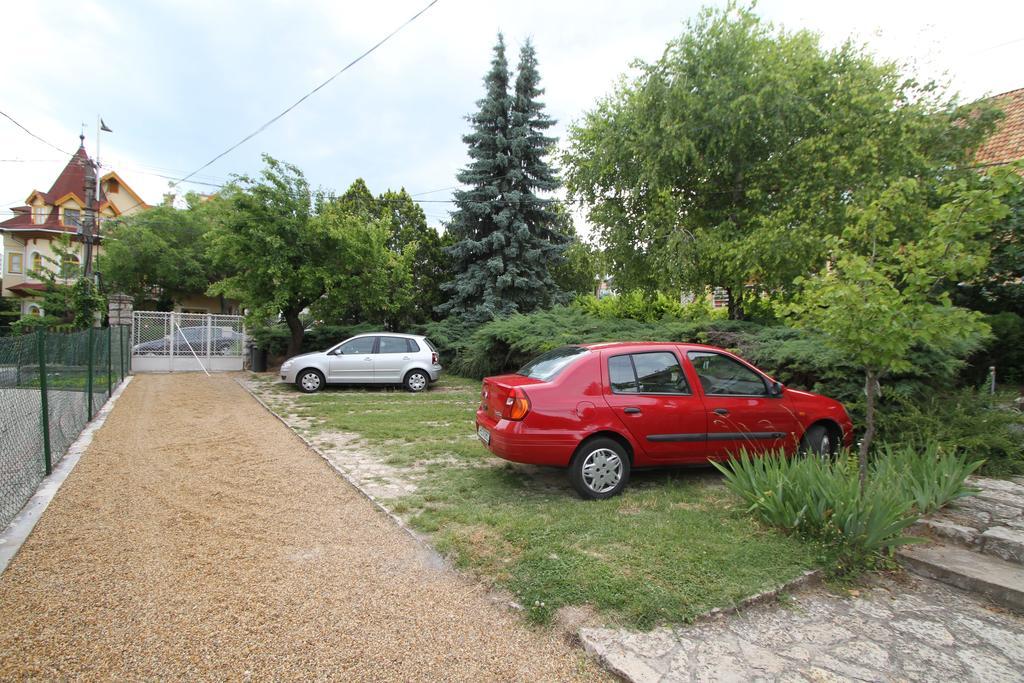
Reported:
(430, 266)
(69, 301)
(507, 343)
(291, 248)
(274, 337)
(639, 305)
(729, 160)
(1004, 350)
(998, 287)
(927, 476)
(417, 265)
(824, 500)
(582, 263)
(965, 421)
(506, 238)
(882, 296)
(10, 311)
(160, 253)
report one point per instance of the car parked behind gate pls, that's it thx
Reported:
(201, 340)
(600, 410)
(375, 358)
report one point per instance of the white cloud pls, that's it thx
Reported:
(180, 80)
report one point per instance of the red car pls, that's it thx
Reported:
(603, 409)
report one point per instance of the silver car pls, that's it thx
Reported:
(374, 358)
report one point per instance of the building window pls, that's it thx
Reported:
(38, 214)
(72, 217)
(32, 309)
(113, 187)
(14, 264)
(37, 262)
(69, 267)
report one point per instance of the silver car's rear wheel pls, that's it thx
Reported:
(310, 381)
(416, 380)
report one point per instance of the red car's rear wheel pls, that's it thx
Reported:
(600, 469)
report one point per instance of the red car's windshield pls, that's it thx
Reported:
(547, 365)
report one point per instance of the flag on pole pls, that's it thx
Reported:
(104, 127)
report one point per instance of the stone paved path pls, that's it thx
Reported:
(903, 629)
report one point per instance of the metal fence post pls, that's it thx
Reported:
(45, 408)
(110, 361)
(125, 361)
(88, 381)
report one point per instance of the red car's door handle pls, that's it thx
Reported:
(721, 411)
(631, 411)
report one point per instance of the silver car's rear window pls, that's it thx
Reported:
(547, 365)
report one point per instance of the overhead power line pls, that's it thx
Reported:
(50, 144)
(302, 99)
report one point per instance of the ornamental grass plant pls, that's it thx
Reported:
(821, 500)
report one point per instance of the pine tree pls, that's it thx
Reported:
(505, 244)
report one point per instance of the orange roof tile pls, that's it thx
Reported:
(1007, 143)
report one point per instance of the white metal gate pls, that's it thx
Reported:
(187, 342)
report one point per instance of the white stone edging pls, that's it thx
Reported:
(19, 528)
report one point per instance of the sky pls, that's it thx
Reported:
(180, 81)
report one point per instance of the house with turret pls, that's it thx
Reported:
(28, 237)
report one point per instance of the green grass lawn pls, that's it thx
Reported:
(670, 548)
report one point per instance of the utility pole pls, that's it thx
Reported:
(87, 228)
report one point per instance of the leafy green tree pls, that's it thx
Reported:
(159, 254)
(374, 284)
(427, 263)
(68, 299)
(728, 161)
(999, 287)
(430, 266)
(883, 294)
(289, 248)
(581, 265)
(505, 237)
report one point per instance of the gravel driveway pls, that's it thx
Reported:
(199, 538)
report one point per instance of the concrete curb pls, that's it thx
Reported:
(808, 578)
(19, 529)
(423, 542)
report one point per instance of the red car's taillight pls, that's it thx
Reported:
(518, 405)
(433, 358)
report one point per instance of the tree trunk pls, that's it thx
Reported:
(735, 303)
(295, 327)
(870, 385)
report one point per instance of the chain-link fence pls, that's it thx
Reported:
(51, 385)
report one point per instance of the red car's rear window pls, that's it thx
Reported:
(547, 365)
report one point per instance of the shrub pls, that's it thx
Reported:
(637, 305)
(965, 421)
(822, 500)
(507, 343)
(274, 336)
(927, 477)
(1005, 351)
